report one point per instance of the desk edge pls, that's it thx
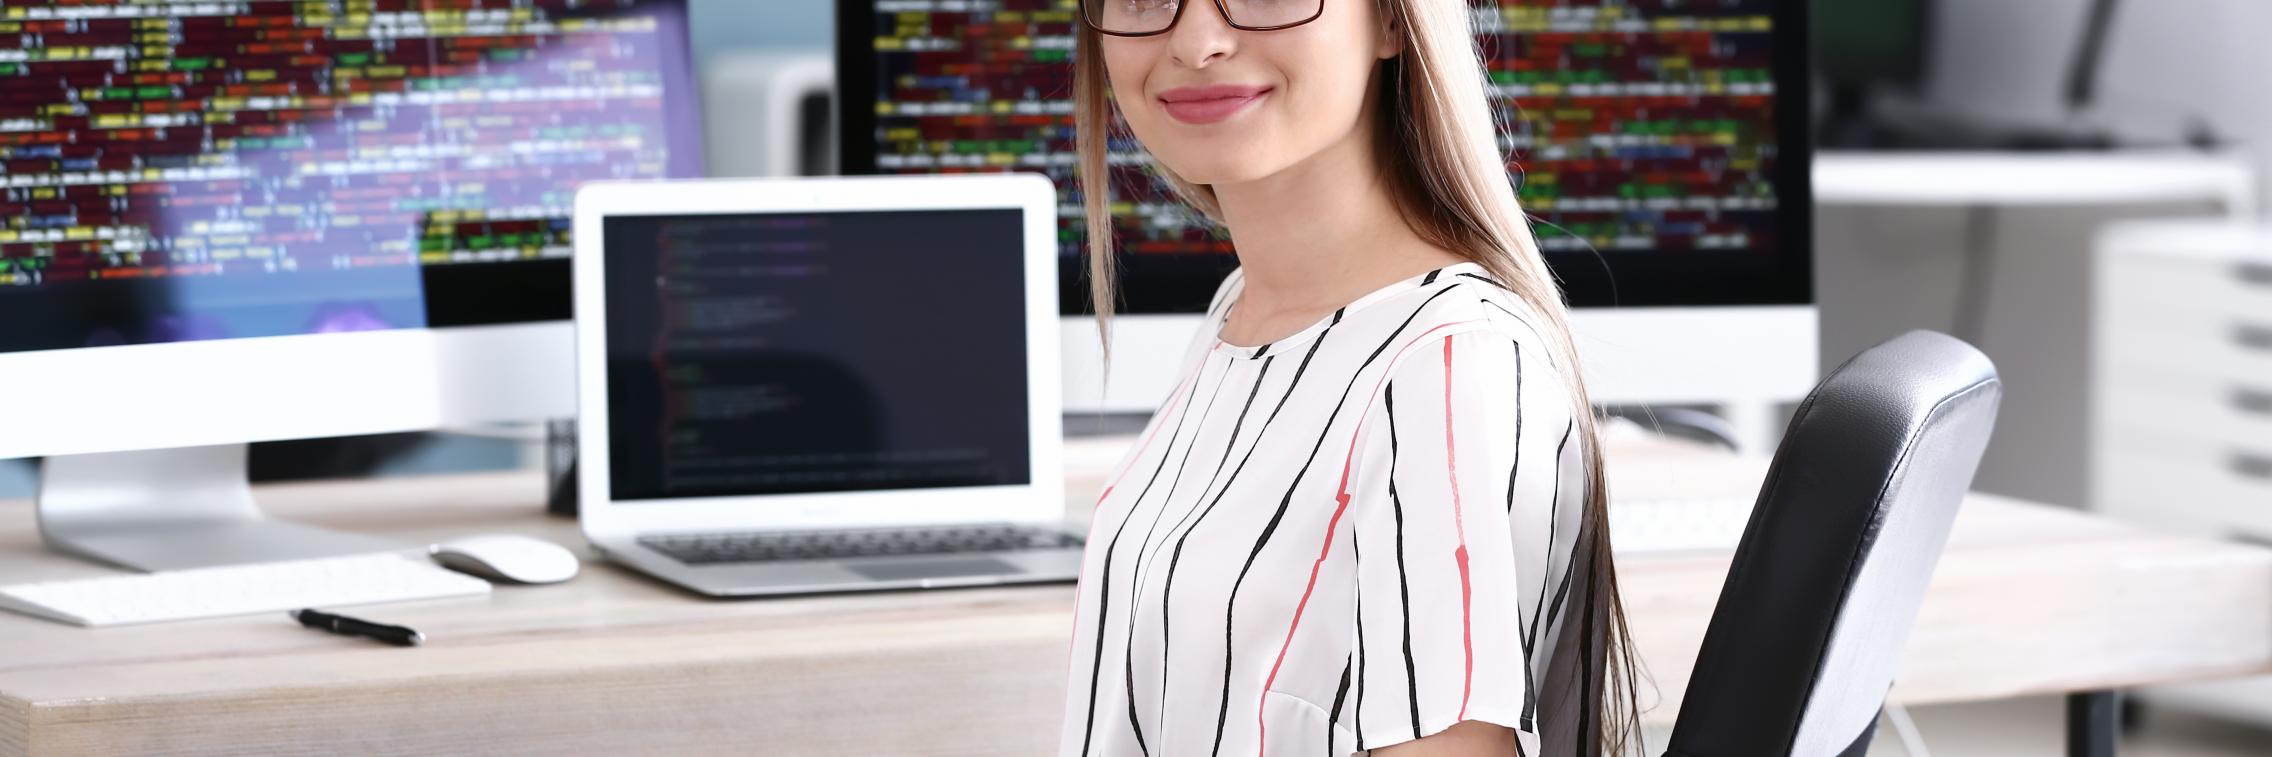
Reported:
(15, 726)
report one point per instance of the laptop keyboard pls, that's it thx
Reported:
(704, 549)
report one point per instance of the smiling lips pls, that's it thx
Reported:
(1209, 104)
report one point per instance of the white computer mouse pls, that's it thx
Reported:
(507, 557)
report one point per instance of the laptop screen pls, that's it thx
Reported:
(776, 353)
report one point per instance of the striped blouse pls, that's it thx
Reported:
(1352, 537)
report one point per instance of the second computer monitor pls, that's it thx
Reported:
(228, 223)
(1661, 147)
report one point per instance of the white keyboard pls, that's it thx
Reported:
(1677, 525)
(239, 590)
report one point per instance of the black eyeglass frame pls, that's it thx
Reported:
(1178, 17)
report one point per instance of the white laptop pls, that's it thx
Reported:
(809, 385)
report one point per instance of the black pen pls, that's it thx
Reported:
(346, 626)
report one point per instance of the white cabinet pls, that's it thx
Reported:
(2182, 388)
(2183, 381)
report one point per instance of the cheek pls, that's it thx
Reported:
(1321, 106)
(1329, 83)
(1329, 62)
(1126, 65)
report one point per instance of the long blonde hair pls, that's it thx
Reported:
(1437, 145)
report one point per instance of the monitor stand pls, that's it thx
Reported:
(172, 509)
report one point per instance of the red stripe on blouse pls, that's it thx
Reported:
(1459, 525)
(1341, 498)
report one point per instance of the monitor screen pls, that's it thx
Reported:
(1660, 145)
(1878, 43)
(188, 171)
(816, 352)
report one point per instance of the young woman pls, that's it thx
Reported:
(1370, 517)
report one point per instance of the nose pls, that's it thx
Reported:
(1203, 36)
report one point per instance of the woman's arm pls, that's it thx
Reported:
(1452, 495)
(1468, 738)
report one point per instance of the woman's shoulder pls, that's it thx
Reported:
(1472, 305)
(1487, 336)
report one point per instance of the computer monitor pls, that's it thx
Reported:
(241, 222)
(1662, 147)
(1874, 43)
(1861, 49)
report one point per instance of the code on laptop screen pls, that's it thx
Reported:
(816, 352)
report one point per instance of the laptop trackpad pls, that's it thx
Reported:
(900, 570)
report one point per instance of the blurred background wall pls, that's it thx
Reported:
(759, 25)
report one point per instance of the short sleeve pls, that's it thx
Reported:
(1454, 495)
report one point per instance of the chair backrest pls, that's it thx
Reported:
(1833, 565)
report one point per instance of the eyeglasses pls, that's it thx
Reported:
(1144, 18)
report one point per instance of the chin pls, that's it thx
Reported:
(1221, 171)
(1219, 161)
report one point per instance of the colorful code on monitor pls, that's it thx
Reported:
(174, 139)
(1631, 125)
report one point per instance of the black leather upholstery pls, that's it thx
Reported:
(1850, 522)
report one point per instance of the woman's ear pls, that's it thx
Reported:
(1391, 41)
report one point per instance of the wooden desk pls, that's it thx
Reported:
(2029, 600)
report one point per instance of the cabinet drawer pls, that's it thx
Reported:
(2157, 287)
(2234, 349)
(2235, 414)
(2221, 490)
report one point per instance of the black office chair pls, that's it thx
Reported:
(1851, 519)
